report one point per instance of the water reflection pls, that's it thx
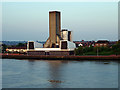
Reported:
(55, 73)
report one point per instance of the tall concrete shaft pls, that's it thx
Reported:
(54, 25)
(54, 29)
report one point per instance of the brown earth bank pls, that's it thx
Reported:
(48, 57)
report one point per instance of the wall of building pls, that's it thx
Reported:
(17, 50)
(101, 45)
(54, 27)
(69, 36)
(58, 53)
(70, 45)
(66, 35)
(38, 45)
(36, 52)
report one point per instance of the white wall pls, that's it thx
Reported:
(65, 35)
(38, 45)
(71, 45)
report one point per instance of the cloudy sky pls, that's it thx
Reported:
(87, 20)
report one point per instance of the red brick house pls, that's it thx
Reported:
(101, 43)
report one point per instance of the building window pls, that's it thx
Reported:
(64, 45)
(31, 45)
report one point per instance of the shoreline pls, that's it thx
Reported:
(47, 57)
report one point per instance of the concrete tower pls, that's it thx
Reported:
(54, 30)
(66, 35)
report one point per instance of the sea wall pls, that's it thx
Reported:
(54, 57)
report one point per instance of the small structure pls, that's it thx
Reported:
(17, 49)
(84, 43)
(102, 43)
(66, 35)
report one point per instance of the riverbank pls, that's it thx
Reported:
(48, 57)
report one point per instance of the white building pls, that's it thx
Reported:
(66, 35)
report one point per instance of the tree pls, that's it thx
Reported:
(20, 45)
(79, 51)
(116, 48)
(4, 47)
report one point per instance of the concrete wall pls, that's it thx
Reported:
(70, 45)
(38, 45)
(64, 35)
(36, 53)
(54, 26)
(58, 53)
(70, 36)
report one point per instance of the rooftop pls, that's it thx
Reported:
(102, 41)
(54, 11)
(64, 29)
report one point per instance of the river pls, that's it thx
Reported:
(59, 74)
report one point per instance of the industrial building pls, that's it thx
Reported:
(59, 41)
(54, 30)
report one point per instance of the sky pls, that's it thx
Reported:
(86, 20)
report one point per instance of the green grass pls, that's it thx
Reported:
(99, 53)
(90, 53)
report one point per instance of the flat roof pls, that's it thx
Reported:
(64, 29)
(54, 11)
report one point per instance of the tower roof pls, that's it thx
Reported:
(54, 11)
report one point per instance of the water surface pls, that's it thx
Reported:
(71, 74)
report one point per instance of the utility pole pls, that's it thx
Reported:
(97, 51)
